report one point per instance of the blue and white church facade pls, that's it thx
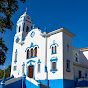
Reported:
(47, 57)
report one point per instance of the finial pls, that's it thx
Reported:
(45, 30)
(26, 9)
(33, 25)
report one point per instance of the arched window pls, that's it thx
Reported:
(28, 53)
(32, 52)
(52, 49)
(53, 65)
(35, 51)
(55, 49)
(27, 29)
(19, 28)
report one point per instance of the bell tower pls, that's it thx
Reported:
(24, 24)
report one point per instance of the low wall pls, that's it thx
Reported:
(31, 83)
(14, 83)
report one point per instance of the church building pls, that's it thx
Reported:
(48, 58)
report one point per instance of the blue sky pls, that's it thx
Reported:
(54, 14)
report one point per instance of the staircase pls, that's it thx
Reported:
(30, 82)
(24, 82)
(14, 83)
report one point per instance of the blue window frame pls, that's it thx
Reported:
(68, 65)
(53, 47)
(39, 64)
(32, 53)
(15, 56)
(38, 67)
(53, 64)
(14, 68)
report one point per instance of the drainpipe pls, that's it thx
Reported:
(23, 80)
(46, 70)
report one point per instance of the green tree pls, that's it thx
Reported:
(7, 72)
(7, 9)
(1, 73)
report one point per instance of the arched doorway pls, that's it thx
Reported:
(30, 71)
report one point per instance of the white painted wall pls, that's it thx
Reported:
(76, 72)
(67, 55)
(58, 39)
(62, 55)
(82, 60)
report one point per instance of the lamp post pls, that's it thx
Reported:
(23, 76)
(4, 72)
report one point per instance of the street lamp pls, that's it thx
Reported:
(4, 72)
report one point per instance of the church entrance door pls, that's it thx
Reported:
(30, 71)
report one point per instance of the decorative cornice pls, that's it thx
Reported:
(80, 65)
(57, 31)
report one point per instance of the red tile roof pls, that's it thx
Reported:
(84, 48)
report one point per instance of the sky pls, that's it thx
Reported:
(52, 14)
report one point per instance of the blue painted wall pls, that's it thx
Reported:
(30, 85)
(44, 82)
(58, 83)
(17, 84)
(68, 83)
(83, 83)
